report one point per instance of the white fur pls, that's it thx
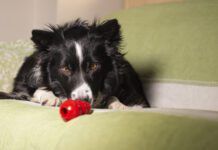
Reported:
(36, 74)
(116, 104)
(45, 97)
(137, 107)
(83, 90)
(79, 52)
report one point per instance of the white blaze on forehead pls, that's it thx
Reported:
(79, 52)
(83, 90)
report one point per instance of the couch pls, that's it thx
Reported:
(173, 47)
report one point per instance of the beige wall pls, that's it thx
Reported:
(86, 9)
(15, 19)
(19, 17)
(45, 12)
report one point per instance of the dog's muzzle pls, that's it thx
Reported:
(82, 92)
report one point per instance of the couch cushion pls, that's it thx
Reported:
(174, 48)
(12, 55)
(177, 40)
(27, 127)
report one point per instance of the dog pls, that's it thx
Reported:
(78, 60)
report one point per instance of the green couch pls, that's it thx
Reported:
(173, 47)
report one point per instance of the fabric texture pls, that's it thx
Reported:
(12, 55)
(30, 127)
(174, 41)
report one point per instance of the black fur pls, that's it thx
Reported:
(55, 49)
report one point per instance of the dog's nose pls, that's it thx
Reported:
(82, 92)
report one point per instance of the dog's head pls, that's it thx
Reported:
(79, 56)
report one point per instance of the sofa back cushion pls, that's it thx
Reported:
(174, 45)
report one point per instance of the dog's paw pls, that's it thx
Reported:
(114, 103)
(46, 98)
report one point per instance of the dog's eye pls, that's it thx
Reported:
(93, 66)
(65, 71)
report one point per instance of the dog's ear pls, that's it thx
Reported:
(110, 30)
(42, 39)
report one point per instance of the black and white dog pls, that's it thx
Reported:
(79, 61)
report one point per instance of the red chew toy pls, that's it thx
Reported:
(70, 109)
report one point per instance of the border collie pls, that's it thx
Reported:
(78, 60)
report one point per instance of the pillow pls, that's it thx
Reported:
(174, 45)
(12, 55)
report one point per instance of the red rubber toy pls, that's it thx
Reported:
(70, 109)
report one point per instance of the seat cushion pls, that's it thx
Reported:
(25, 127)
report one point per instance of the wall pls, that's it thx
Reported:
(86, 9)
(19, 17)
(15, 19)
(45, 12)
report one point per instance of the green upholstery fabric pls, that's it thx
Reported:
(12, 55)
(176, 41)
(30, 127)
